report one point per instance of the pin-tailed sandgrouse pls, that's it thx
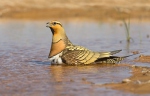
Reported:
(64, 52)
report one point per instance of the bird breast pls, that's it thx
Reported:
(57, 47)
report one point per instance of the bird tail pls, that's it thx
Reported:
(108, 54)
(112, 59)
(128, 56)
(114, 52)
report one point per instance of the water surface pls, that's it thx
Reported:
(25, 70)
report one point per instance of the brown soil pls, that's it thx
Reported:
(77, 9)
(139, 82)
(143, 58)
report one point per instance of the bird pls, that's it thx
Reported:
(63, 51)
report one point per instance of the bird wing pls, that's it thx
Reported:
(81, 55)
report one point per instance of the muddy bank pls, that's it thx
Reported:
(78, 9)
(143, 58)
(138, 83)
(101, 13)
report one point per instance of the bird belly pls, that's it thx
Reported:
(56, 59)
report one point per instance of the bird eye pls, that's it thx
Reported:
(54, 23)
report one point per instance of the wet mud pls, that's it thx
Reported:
(138, 83)
(143, 58)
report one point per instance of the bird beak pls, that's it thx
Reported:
(48, 24)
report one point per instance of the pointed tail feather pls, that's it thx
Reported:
(109, 60)
(112, 59)
(108, 54)
(114, 52)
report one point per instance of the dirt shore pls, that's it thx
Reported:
(138, 83)
(78, 9)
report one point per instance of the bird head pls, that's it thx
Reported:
(55, 27)
(57, 30)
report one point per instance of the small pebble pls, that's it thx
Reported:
(148, 81)
(141, 56)
(84, 79)
(138, 82)
(147, 36)
(126, 80)
(145, 70)
(133, 66)
(135, 52)
(71, 80)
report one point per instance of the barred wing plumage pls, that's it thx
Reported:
(77, 55)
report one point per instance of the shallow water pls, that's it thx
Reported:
(25, 70)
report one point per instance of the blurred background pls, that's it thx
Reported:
(79, 9)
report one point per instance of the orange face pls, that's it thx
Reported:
(55, 26)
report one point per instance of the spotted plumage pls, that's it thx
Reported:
(64, 52)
